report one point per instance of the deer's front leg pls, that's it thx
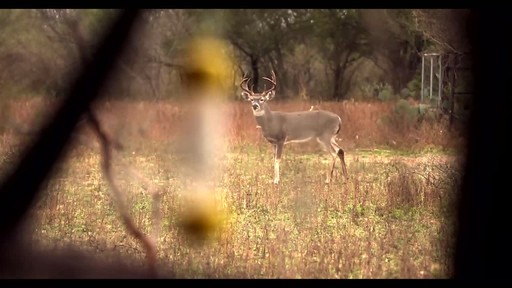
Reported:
(278, 150)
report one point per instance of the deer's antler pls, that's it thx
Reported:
(246, 89)
(273, 81)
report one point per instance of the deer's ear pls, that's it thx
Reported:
(270, 95)
(246, 95)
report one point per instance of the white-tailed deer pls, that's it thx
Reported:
(280, 128)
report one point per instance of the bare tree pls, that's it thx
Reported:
(341, 41)
(445, 28)
(395, 45)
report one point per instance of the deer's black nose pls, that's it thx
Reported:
(255, 106)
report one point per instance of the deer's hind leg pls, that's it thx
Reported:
(341, 154)
(325, 142)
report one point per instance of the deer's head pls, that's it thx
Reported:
(258, 99)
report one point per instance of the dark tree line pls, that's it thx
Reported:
(322, 54)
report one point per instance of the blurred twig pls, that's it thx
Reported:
(20, 189)
(153, 191)
(148, 242)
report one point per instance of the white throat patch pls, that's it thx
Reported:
(260, 112)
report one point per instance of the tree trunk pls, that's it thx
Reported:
(396, 81)
(283, 77)
(339, 73)
(346, 62)
(337, 82)
(255, 73)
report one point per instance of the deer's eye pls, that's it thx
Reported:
(261, 100)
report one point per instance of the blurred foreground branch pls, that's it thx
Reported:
(20, 189)
(148, 242)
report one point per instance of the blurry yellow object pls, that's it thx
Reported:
(208, 73)
(203, 218)
(208, 64)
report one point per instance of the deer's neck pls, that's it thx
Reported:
(264, 117)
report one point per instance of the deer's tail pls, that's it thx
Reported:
(339, 125)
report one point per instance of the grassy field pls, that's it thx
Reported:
(392, 219)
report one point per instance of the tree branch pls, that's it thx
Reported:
(239, 47)
(148, 242)
(21, 188)
(166, 63)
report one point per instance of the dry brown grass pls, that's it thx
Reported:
(391, 220)
(388, 222)
(365, 124)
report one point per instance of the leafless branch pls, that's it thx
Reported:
(58, 35)
(440, 43)
(148, 242)
(139, 78)
(152, 190)
(441, 27)
(239, 46)
(166, 64)
(156, 196)
(21, 188)
(376, 62)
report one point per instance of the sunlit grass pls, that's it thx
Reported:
(389, 221)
